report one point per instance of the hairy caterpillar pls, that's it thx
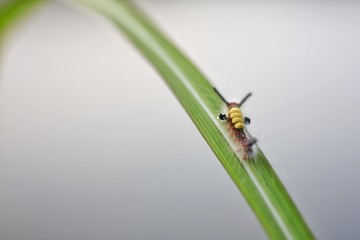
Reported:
(237, 123)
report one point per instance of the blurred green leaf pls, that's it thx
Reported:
(12, 10)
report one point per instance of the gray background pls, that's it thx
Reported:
(94, 146)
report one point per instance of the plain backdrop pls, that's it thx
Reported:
(94, 146)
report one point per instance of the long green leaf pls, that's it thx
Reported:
(11, 10)
(255, 178)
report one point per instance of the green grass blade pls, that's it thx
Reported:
(255, 178)
(11, 10)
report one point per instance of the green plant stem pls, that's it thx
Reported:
(255, 178)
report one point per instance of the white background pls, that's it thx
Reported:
(94, 146)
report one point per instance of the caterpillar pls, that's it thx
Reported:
(237, 123)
